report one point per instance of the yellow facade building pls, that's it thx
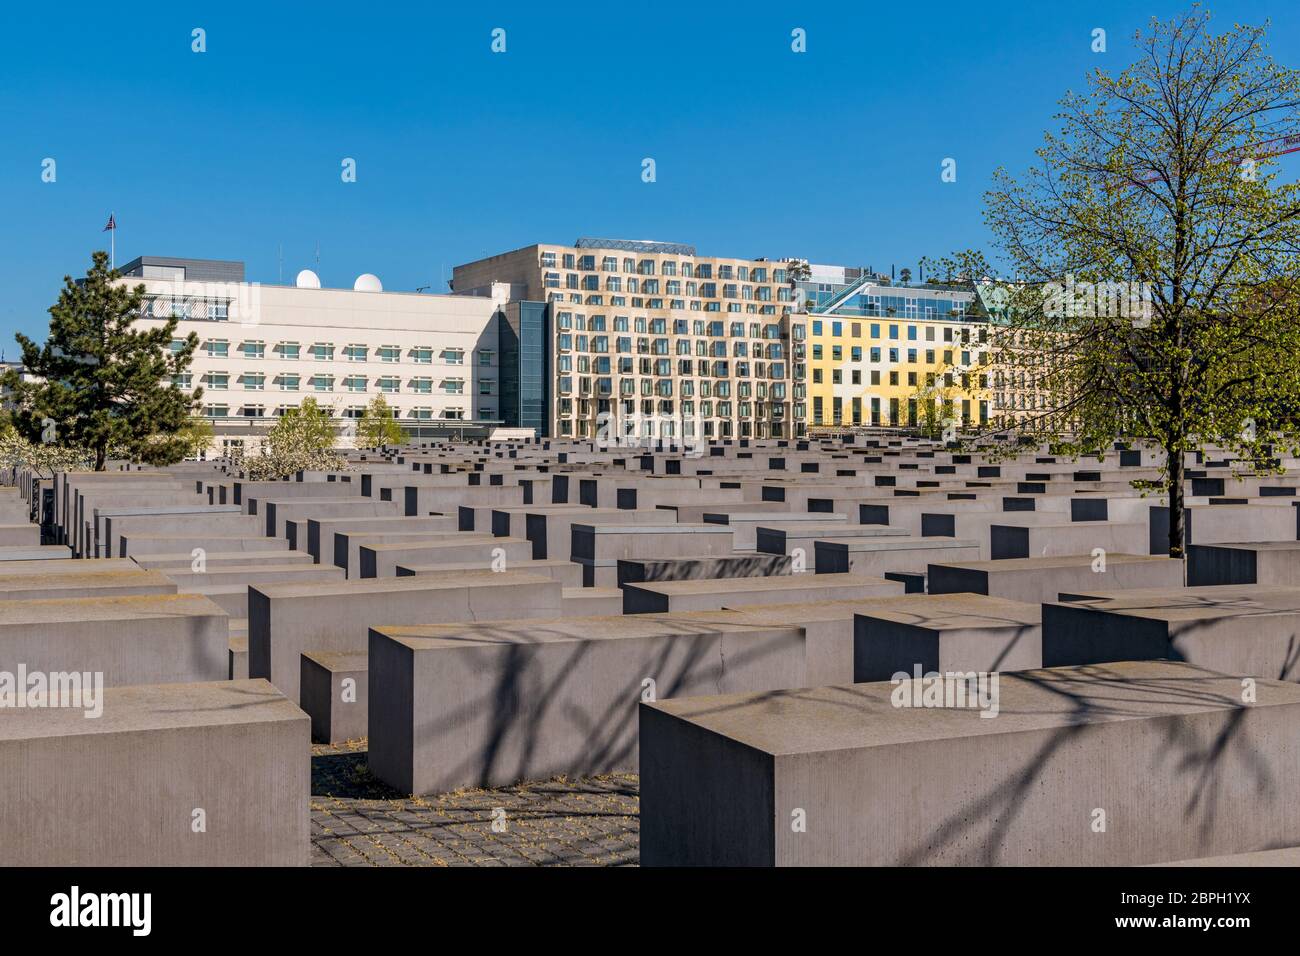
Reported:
(890, 355)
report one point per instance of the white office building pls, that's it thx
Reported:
(265, 348)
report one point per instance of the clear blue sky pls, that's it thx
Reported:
(833, 154)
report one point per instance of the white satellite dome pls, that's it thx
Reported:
(307, 280)
(366, 282)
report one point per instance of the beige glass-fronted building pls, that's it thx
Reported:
(657, 341)
(265, 348)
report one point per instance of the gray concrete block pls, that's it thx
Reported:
(1036, 580)
(46, 552)
(479, 704)
(566, 572)
(802, 540)
(1181, 767)
(286, 620)
(1264, 562)
(966, 633)
(745, 525)
(1054, 540)
(89, 582)
(381, 560)
(878, 556)
(143, 639)
(321, 532)
(123, 789)
(333, 691)
(589, 602)
(1236, 629)
(707, 595)
(239, 656)
(638, 570)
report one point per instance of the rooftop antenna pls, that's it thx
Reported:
(317, 253)
(280, 256)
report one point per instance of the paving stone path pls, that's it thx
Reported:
(357, 820)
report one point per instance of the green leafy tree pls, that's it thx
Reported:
(301, 440)
(100, 383)
(197, 434)
(377, 427)
(934, 404)
(1154, 253)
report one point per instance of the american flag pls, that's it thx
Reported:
(111, 224)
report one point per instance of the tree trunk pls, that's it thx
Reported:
(1177, 514)
(101, 458)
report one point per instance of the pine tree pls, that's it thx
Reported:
(101, 384)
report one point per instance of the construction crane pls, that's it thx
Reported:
(1278, 146)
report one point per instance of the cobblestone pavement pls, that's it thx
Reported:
(357, 820)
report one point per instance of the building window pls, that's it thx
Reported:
(355, 353)
(253, 350)
(322, 352)
(217, 348)
(421, 355)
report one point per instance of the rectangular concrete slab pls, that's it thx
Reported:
(286, 620)
(333, 691)
(125, 789)
(89, 582)
(476, 704)
(880, 556)
(1260, 562)
(707, 595)
(1237, 629)
(965, 633)
(141, 639)
(841, 776)
(1043, 579)
(566, 572)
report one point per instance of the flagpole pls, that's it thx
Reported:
(112, 242)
